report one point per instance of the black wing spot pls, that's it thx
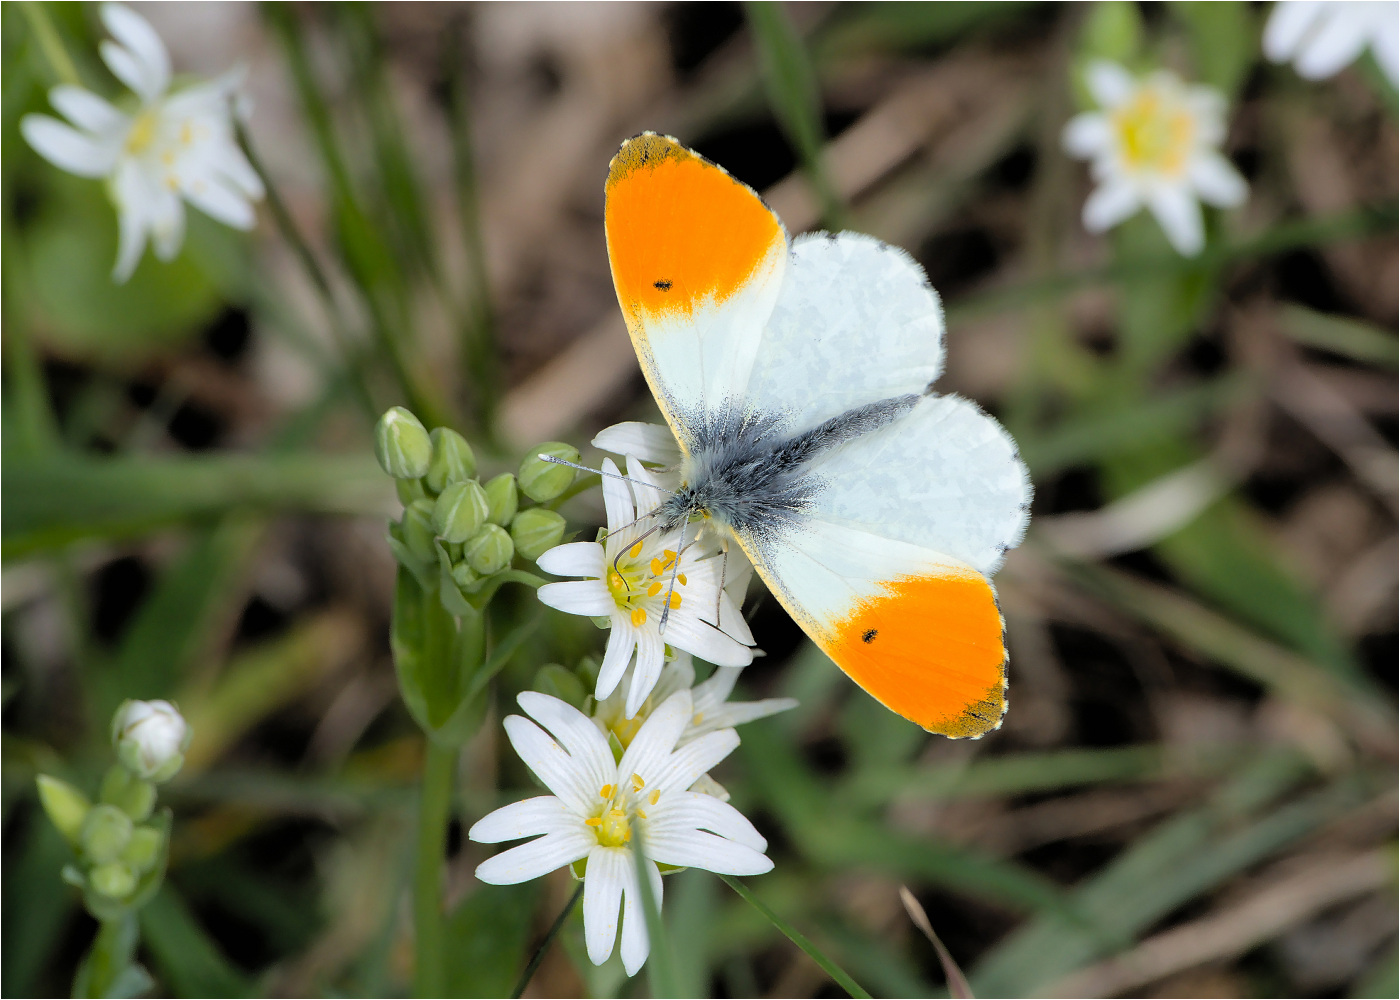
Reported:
(663, 285)
(869, 635)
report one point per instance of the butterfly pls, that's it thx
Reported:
(797, 376)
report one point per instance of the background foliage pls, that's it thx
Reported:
(1194, 791)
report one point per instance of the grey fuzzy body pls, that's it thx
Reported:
(750, 477)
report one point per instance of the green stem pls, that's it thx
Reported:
(109, 956)
(434, 809)
(538, 957)
(660, 969)
(51, 43)
(837, 974)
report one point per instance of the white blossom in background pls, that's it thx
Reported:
(1154, 142)
(1321, 39)
(629, 579)
(170, 146)
(602, 808)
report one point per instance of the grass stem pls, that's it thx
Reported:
(549, 937)
(434, 809)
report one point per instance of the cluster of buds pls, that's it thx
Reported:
(120, 840)
(457, 532)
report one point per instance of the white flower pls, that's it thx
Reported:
(1320, 39)
(602, 808)
(151, 738)
(711, 709)
(174, 145)
(628, 578)
(1155, 143)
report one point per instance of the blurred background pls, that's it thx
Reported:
(1194, 792)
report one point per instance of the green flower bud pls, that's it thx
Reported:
(536, 530)
(128, 793)
(460, 510)
(142, 850)
(504, 499)
(401, 444)
(410, 490)
(452, 462)
(114, 880)
(541, 480)
(464, 576)
(151, 738)
(552, 679)
(66, 807)
(106, 832)
(489, 550)
(418, 530)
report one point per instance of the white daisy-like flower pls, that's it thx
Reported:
(172, 146)
(712, 709)
(602, 808)
(1155, 142)
(1322, 38)
(628, 579)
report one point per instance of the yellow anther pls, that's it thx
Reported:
(697, 718)
(593, 821)
(171, 182)
(657, 568)
(654, 589)
(617, 814)
(635, 550)
(655, 794)
(641, 814)
(639, 617)
(669, 556)
(675, 600)
(637, 782)
(627, 836)
(682, 579)
(615, 581)
(186, 134)
(168, 158)
(605, 792)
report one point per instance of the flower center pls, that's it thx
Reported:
(631, 582)
(617, 807)
(1154, 135)
(143, 132)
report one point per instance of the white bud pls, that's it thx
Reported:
(151, 738)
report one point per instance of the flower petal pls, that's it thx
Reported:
(145, 65)
(608, 869)
(578, 597)
(635, 942)
(622, 642)
(67, 148)
(648, 442)
(696, 849)
(733, 714)
(1217, 181)
(1087, 135)
(651, 657)
(686, 631)
(574, 559)
(538, 857)
(1179, 215)
(167, 223)
(646, 487)
(680, 810)
(1109, 204)
(1385, 41)
(88, 111)
(575, 732)
(1109, 83)
(526, 818)
(219, 201)
(1340, 37)
(649, 753)
(683, 767)
(560, 773)
(1289, 22)
(617, 497)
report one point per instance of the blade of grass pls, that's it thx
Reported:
(837, 974)
(1344, 335)
(660, 965)
(548, 940)
(187, 958)
(50, 43)
(957, 982)
(795, 98)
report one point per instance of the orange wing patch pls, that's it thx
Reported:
(680, 229)
(932, 651)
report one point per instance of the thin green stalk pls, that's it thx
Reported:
(661, 969)
(838, 975)
(50, 42)
(796, 99)
(434, 809)
(538, 957)
(307, 257)
(109, 958)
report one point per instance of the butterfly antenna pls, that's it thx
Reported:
(723, 573)
(635, 542)
(599, 472)
(671, 589)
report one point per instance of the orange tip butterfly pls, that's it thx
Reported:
(797, 376)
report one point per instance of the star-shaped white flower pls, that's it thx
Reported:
(174, 146)
(628, 579)
(1322, 38)
(602, 808)
(1155, 142)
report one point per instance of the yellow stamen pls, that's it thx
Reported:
(637, 782)
(670, 556)
(698, 718)
(186, 134)
(639, 617)
(593, 821)
(682, 579)
(657, 568)
(605, 792)
(655, 794)
(635, 550)
(143, 132)
(654, 589)
(641, 814)
(675, 600)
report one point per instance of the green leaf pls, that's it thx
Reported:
(490, 936)
(1344, 335)
(186, 957)
(1223, 36)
